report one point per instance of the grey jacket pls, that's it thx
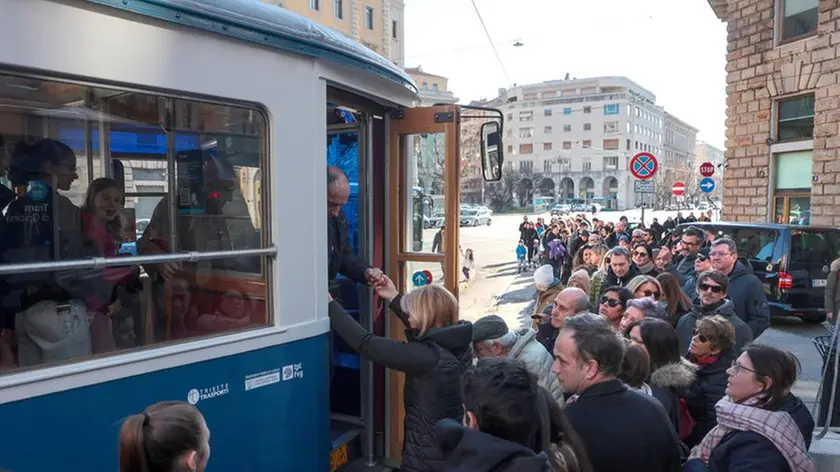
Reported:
(832, 289)
(538, 361)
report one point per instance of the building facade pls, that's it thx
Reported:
(573, 139)
(433, 88)
(378, 24)
(676, 163)
(783, 110)
(705, 152)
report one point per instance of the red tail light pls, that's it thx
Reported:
(785, 281)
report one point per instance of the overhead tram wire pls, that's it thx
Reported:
(490, 39)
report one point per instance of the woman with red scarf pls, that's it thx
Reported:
(102, 225)
(711, 350)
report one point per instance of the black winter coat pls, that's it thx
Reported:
(686, 325)
(704, 393)
(612, 280)
(745, 451)
(668, 383)
(624, 431)
(341, 258)
(467, 450)
(747, 293)
(433, 363)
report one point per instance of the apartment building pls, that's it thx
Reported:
(676, 164)
(433, 88)
(574, 138)
(783, 111)
(378, 24)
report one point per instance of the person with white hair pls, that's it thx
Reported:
(492, 339)
(548, 286)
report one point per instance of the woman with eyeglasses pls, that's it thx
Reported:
(643, 258)
(612, 304)
(711, 290)
(645, 286)
(761, 425)
(670, 374)
(711, 351)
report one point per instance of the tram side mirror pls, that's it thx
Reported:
(491, 151)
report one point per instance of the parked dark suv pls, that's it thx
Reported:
(791, 261)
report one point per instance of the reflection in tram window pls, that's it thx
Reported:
(189, 179)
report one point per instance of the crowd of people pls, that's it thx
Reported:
(640, 358)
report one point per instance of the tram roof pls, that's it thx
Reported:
(262, 23)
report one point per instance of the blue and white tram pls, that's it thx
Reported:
(208, 120)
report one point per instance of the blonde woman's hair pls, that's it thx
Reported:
(640, 280)
(602, 266)
(600, 250)
(433, 305)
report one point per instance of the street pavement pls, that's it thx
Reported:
(497, 288)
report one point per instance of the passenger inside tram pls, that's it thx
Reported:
(89, 164)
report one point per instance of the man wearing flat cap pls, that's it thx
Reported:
(492, 338)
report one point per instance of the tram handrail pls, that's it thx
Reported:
(102, 262)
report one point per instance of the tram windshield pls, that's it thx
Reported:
(88, 173)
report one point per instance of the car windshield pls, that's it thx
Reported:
(469, 213)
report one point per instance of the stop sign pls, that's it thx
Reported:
(678, 188)
(707, 169)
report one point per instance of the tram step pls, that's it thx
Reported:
(360, 465)
(346, 442)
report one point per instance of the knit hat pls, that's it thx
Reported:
(489, 327)
(581, 278)
(544, 277)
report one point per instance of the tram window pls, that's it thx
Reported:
(189, 180)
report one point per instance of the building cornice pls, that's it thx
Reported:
(721, 8)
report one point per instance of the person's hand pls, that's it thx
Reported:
(386, 289)
(170, 269)
(374, 276)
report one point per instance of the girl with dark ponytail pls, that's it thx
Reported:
(166, 437)
(558, 439)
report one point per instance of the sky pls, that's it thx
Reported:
(674, 48)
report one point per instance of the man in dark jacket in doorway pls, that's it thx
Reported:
(621, 429)
(341, 258)
(745, 289)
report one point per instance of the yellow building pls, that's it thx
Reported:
(433, 88)
(378, 24)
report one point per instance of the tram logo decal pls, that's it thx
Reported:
(292, 371)
(196, 394)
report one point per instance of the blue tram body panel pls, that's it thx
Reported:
(268, 424)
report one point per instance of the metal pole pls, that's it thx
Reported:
(367, 369)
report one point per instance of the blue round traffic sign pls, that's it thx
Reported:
(707, 185)
(643, 166)
(420, 278)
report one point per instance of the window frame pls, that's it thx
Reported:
(315, 5)
(395, 30)
(338, 9)
(140, 360)
(370, 19)
(779, 25)
(777, 122)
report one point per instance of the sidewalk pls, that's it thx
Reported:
(498, 289)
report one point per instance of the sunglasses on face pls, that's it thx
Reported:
(640, 254)
(704, 287)
(700, 337)
(702, 258)
(611, 302)
(651, 293)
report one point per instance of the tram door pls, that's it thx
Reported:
(424, 150)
